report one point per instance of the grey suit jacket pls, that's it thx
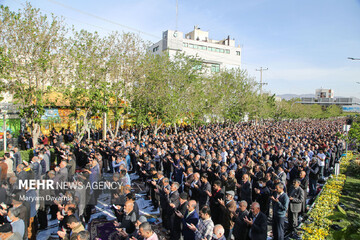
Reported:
(298, 197)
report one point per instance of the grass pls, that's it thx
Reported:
(347, 214)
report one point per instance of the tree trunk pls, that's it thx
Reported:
(175, 128)
(157, 128)
(111, 131)
(104, 127)
(83, 129)
(35, 134)
(141, 127)
(117, 127)
(88, 131)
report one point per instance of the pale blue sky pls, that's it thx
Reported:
(305, 44)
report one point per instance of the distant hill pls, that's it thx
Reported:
(291, 96)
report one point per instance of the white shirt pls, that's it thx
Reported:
(321, 162)
(224, 156)
(10, 164)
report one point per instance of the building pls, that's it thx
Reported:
(325, 97)
(324, 93)
(217, 54)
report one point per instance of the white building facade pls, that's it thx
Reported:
(217, 54)
(324, 93)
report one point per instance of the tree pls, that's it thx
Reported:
(126, 53)
(151, 92)
(333, 111)
(87, 87)
(354, 133)
(184, 83)
(30, 44)
(238, 94)
(266, 106)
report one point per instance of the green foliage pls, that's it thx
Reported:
(291, 109)
(354, 168)
(333, 111)
(354, 132)
(349, 222)
(30, 46)
(27, 155)
(237, 92)
(114, 74)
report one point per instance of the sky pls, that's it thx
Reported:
(304, 44)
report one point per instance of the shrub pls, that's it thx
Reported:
(319, 226)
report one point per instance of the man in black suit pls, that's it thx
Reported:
(194, 193)
(296, 197)
(202, 190)
(257, 222)
(313, 176)
(188, 179)
(175, 231)
(240, 230)
(216, 212)
(190, 217)
(163, 191)
(172, 197)
(293, 174)
(17, 157)
(154, 191)
(304, 183)
(262, 196)
(246, 189)
(269, 168)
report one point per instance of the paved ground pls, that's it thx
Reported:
(103, 209)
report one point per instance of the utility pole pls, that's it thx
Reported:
(177, 15)
(261, 82)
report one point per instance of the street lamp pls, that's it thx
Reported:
(354, 59)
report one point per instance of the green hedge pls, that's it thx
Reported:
(27, 155)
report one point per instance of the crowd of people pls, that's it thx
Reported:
(212, 182)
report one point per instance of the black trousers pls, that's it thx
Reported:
(278, 228)
(53, 211)
(42, 217)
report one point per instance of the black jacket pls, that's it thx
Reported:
(240, 231)
(258, 231)
(314, 171)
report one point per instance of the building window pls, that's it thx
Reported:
(222, 50)
(227, 51)
(217, 50)
(238, 53)
(155, 49)
(215, 68)
(191, 45)
(185, 44)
